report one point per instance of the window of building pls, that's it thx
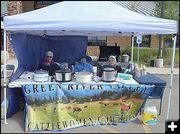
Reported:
(40, 4)
(50, 2)
(97, 41)
(146, 40)
(46, 2)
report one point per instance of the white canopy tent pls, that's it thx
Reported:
(90, 18)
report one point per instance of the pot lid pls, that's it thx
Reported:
(125, 55)
(41, 72)
(109, 69)
(64, 71)
(83, 73)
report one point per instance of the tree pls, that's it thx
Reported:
(161, 40)
(171, 10)
(65, 100)
(45, 100)
(50, 99)
(29, 100)
(167, 10)
(134, 5)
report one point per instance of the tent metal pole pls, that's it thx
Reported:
(132, 47)
(4, 70)
(171, 75)
(138, 54)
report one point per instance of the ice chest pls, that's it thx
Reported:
(124, 76)
(150, 116)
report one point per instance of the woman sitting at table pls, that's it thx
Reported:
(49, 64)
(112, 63)
(84, 65)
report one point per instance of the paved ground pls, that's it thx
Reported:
(155, 70)
(16, 124)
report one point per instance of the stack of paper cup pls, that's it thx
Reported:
(95, 70)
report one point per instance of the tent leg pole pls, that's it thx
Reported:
(4, 70)
(171, 75)
(132, 47)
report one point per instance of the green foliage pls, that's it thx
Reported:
(147, 54)
(166, 53)
(65, 100)
(126, 50)
(116, 96)
(167, 56)
(171, 9)
(83, 99)
(139, 95)
(45, 100)
(50, 99)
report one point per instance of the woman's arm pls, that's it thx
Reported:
(76, 68)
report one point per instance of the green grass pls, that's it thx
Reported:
(147, 54)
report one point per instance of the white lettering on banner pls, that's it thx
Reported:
(41, 88)
(84, 87)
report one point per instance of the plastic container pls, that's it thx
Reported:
(150, 116)
(95, 70)
(125, 58)
(124, 76)
(159, 62)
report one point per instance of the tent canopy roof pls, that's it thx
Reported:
(92, 18)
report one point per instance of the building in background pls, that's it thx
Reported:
(15, 7)
(3, 13)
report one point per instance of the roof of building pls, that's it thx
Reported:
(142, 7)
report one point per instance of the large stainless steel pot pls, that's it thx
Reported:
(109, 74)
(41, 75)
(63, 75)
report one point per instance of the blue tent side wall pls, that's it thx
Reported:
(30, 51)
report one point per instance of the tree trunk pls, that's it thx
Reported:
(161, 43)
(161, 39)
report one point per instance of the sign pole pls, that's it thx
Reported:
(132, 47)
(138, 54)
(138, 41)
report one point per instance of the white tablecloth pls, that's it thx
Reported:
(20, 82)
